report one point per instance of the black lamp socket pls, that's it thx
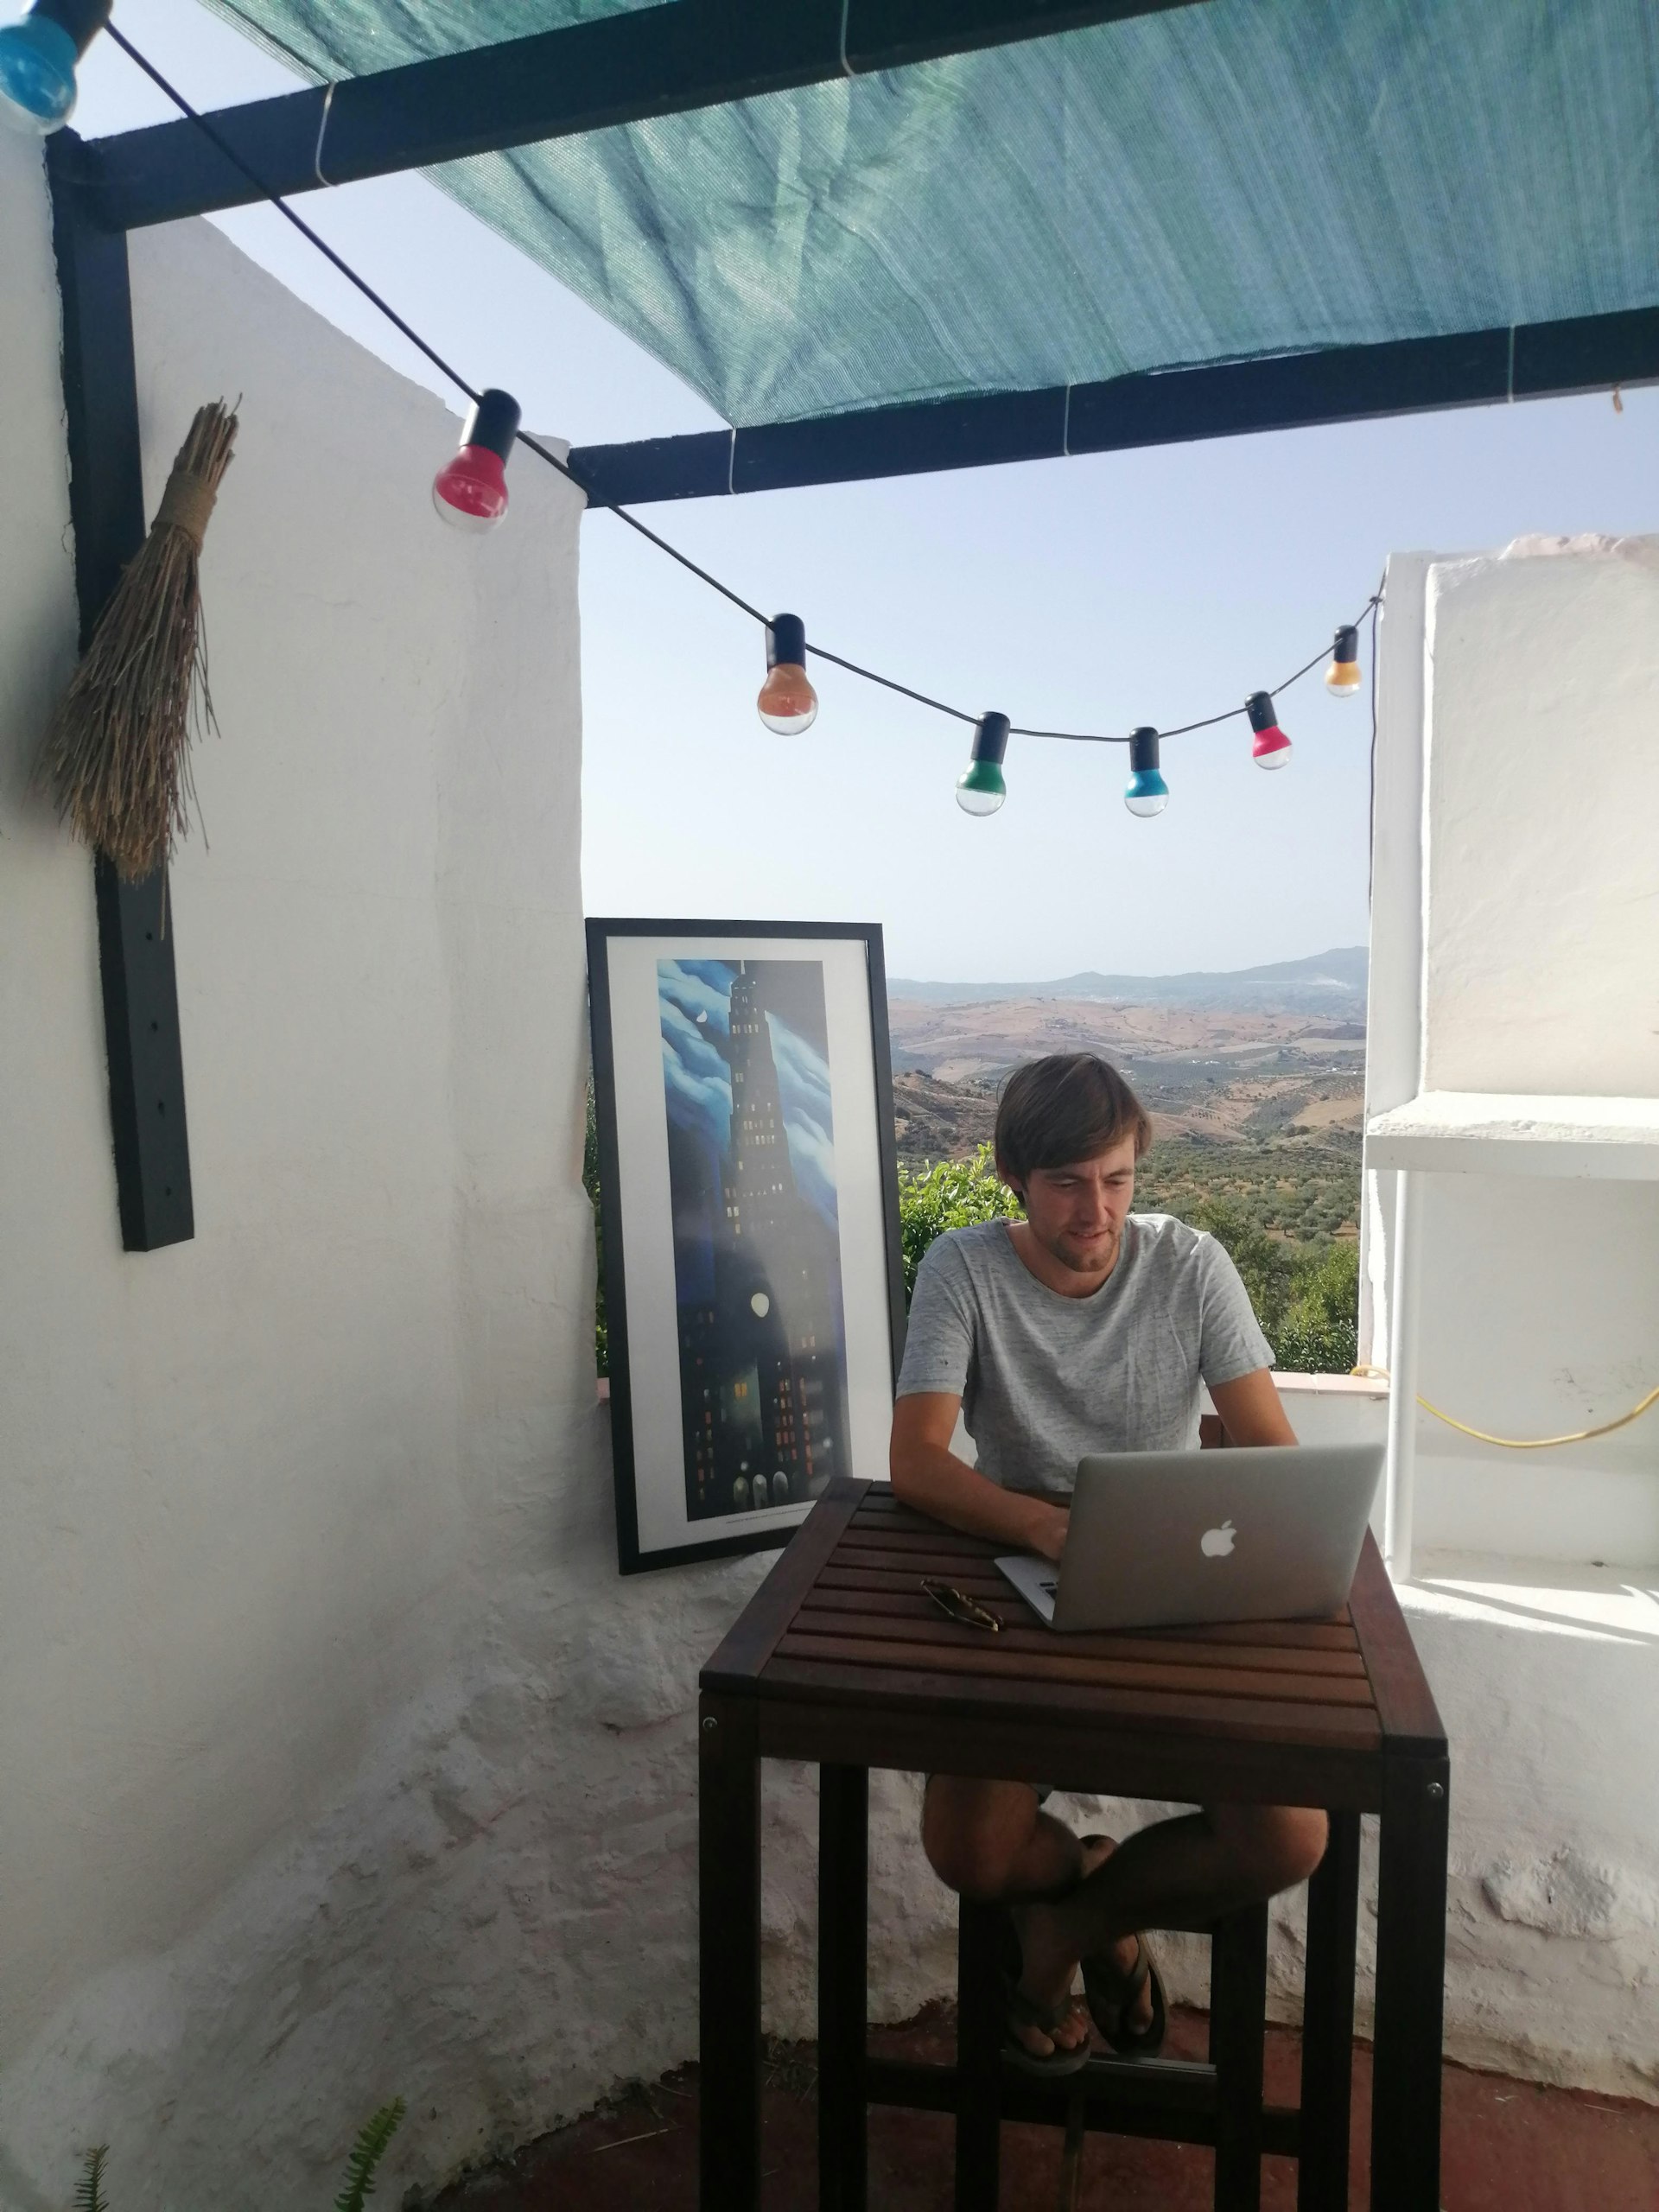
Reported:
(991, 738)
(81, 19)
(492, 422)
(785, 642)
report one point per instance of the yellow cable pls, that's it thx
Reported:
(1524, 1443)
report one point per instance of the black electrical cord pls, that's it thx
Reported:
(447, 369)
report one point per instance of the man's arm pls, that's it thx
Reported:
(1251, 1409)
(927, 1474)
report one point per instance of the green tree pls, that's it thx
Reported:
(1318, 1332)
(949, 1194)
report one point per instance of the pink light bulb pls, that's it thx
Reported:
(470, 492)
(1271, 747)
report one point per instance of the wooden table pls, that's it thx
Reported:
(839, 1658)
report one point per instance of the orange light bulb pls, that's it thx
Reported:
(787, 703)
(1343, 678)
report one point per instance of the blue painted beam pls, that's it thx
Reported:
(1346, 383)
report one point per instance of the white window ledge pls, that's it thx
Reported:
(1517, 1133)
(1612, 1604)
(1291, 1385)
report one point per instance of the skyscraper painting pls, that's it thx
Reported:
(756, 1251)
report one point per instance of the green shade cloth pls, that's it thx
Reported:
(1246, 178)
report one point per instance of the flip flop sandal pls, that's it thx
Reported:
(1110, 1992)
(1024, 2011)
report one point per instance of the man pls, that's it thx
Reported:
(1082, 1328)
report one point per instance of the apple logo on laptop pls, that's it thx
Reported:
(1217, 1543)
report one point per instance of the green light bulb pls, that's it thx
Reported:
(980, 788)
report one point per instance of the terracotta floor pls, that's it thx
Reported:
(1510, 2146)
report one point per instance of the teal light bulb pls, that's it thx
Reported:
(37, 76)
(1146, 793)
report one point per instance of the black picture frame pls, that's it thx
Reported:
(695, 938)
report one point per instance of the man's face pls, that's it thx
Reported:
(1076, 1212)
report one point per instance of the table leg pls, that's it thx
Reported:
(1238, 2008)
(1410, 1986)
(1328, 2022)
(979, 2057)
(843, 1992)
(728, 1884)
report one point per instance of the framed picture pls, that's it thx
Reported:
(749, 1206)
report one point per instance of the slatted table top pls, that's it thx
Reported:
(849, 1660)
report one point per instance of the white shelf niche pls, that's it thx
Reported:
(1518, 1133)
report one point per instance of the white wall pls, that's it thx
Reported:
(1547, 1679)
(1515, 947)
(1543, 894)
(339, 1761)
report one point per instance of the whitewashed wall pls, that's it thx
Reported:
(339, 1762)
(1515, 948)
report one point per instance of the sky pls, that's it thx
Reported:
(1098, 593)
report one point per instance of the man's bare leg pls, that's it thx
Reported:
(1183, 1873)
(991, 1841)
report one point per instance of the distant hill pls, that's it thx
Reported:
(1330, 982)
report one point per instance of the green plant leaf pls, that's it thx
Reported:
(89, 2190)
(948, 1194)
(366, 2154)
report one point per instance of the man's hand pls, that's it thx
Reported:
(1047, 1537)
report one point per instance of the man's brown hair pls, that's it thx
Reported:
(1071, 1106)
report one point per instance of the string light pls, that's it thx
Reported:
(1342, 678)
(37, 62)
(1271, 747)
(980, 787)
(787, 702)
(470, 492)
(1146, 793)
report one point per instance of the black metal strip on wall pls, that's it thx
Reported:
(107, 505)
(1343, 384)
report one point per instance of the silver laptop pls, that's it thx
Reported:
(1158, 1539)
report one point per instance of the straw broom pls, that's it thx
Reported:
(117, 755)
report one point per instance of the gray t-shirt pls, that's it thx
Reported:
(1045, 1379)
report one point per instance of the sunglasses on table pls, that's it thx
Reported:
(955, 1605)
